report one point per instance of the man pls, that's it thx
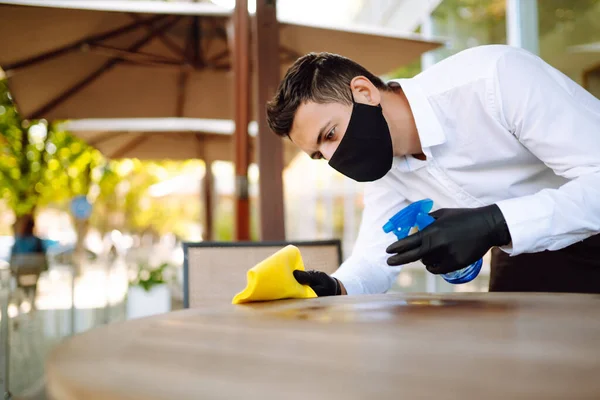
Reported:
(28, 257)
(506, 146)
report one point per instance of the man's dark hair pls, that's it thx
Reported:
(318, 77)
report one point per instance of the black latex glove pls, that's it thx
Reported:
(458, 238)
(320, 282)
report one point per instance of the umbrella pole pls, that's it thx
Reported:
(208, 197)
(241, 71)
(270, 147)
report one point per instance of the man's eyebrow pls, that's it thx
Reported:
(320, 137)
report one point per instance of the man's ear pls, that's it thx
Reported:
(364, 91)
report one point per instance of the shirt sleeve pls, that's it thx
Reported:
(366, 271)
(559, 123)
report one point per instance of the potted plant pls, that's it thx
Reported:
(149, 292)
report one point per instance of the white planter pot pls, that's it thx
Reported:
(141, 303)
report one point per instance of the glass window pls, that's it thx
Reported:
(570, 39)
(468, 23)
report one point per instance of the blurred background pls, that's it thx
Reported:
(110, 223)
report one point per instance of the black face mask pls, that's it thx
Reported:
(365, 153)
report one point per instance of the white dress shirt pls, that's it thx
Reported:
(498, 125)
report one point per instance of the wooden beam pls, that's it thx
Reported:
(78, 44)
(208, 200)
(241, 95)
(49, 106)
(207, 187)
(270, 147)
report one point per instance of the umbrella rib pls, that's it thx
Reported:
(210, 37)
(65, 49)
(288, 53)
(134, 56)
(188, 43)
(103, 138)
(197, 54)
(201, 143)
(218, 57)
(49, 106)
(174, 47)
(132, 144)
(184, 74)
(183, 78)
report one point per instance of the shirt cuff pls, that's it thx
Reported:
(360, 276)
(528, 220)
(350, 281)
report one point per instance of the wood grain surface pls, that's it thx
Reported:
(408, 346)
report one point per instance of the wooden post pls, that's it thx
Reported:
(269, 146)
(241, 71)
(208, 201)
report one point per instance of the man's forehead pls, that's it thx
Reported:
(305, 120)
(309, 119)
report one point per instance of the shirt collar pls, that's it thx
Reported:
(429, 128)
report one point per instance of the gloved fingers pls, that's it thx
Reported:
(443, 265)
(437, 214)
(321, 290)
(411, 242)
(446, 212)
(405, 257)
(438, 268)
(303, 277)
(433, 262)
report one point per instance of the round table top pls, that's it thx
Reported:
(486, 345)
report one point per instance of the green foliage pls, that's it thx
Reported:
(566, 15)
(148, 277)
(40, 164)
(469, 23)
(408, 71)
(466, 23)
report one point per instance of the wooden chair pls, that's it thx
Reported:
(213, 272)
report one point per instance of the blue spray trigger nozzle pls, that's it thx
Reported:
(415, 214)
(423, 220)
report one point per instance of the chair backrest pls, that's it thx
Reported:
(213, 272)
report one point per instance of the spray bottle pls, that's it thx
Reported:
(417, 215)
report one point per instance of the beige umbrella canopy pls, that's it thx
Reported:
(114, 59)
(165, 138)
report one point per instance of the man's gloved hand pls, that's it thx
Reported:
(320, 282)
(458, 238)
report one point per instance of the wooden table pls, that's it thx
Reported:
(457, 346)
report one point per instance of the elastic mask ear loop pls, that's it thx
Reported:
(354, 103)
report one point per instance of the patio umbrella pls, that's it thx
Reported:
(115, 59)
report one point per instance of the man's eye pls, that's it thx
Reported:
(331, 134)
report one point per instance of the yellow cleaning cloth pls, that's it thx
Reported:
(273, 279)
